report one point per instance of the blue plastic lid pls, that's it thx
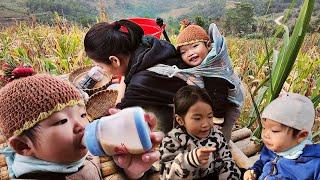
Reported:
(143, 129)
(91, 140)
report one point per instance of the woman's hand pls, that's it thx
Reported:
(136, 165)
(249, 175)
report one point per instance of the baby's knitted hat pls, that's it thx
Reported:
(27, 101)
(191, 34)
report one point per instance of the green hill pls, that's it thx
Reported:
(86, 12)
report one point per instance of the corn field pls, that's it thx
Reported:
(59, 49)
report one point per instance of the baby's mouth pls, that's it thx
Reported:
(193, 59)
(79, 143)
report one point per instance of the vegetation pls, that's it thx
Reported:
(57, 47)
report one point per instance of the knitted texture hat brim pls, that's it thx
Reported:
(28, 101)
(191, 34)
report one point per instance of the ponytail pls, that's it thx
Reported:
(118, 38)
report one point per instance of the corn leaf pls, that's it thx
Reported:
(289, 51)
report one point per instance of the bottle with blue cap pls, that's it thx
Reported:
(120, 133)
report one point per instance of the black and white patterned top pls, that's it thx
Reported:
(179, 160)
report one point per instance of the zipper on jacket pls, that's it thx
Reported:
(274, 169)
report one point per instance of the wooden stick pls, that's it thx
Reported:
(3, 139)
(248, 147)
(108, 168)
(3, 160)
(254, 158)
(240, 134)
(4, 175)
(239, 157)
(105, 159)
(113, 177)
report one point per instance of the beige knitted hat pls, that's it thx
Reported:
(27, 101)
(191, 34)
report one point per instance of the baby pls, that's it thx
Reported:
(286, 133)
(43, 119)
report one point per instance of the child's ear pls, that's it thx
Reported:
(21, 145)
(209, 45)
(302, 135)
(115, 61)
(179, 119)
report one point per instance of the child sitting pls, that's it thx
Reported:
(286, 132)
(195, 148)
(43, 119)
(208, 66)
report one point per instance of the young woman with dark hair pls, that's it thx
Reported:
(120, 48)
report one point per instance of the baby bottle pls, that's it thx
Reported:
(91, 78)
(120, 133)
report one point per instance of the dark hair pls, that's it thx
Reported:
(118, 38)
(32, 134)
(188, 96)
(295, 131)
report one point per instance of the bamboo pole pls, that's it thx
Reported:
(254, 158)
(239, 157)
(240, 134)
(113, 177)
(108, 168)
(2, 160)
(105, 159)
(4, 175)
(2, 139)
(248, 147)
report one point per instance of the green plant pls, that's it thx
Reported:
(284, 62)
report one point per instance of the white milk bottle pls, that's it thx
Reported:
(120, 133)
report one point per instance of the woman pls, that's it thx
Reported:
(121, 49)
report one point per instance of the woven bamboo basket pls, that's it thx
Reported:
(76, 75)
(100, 102)
(76, 72)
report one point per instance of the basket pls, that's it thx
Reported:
(76, 76)
(100, 102)
(78, 71)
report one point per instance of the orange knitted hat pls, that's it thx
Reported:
(191, 34)
(27, 101)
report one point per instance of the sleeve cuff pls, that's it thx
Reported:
(192, 158)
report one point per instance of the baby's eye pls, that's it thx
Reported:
(182, 53)
(84, 115)
(275, 131)
(63, 121)
(195, 45)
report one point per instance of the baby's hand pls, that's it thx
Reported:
(249, 175)
(203, 154)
